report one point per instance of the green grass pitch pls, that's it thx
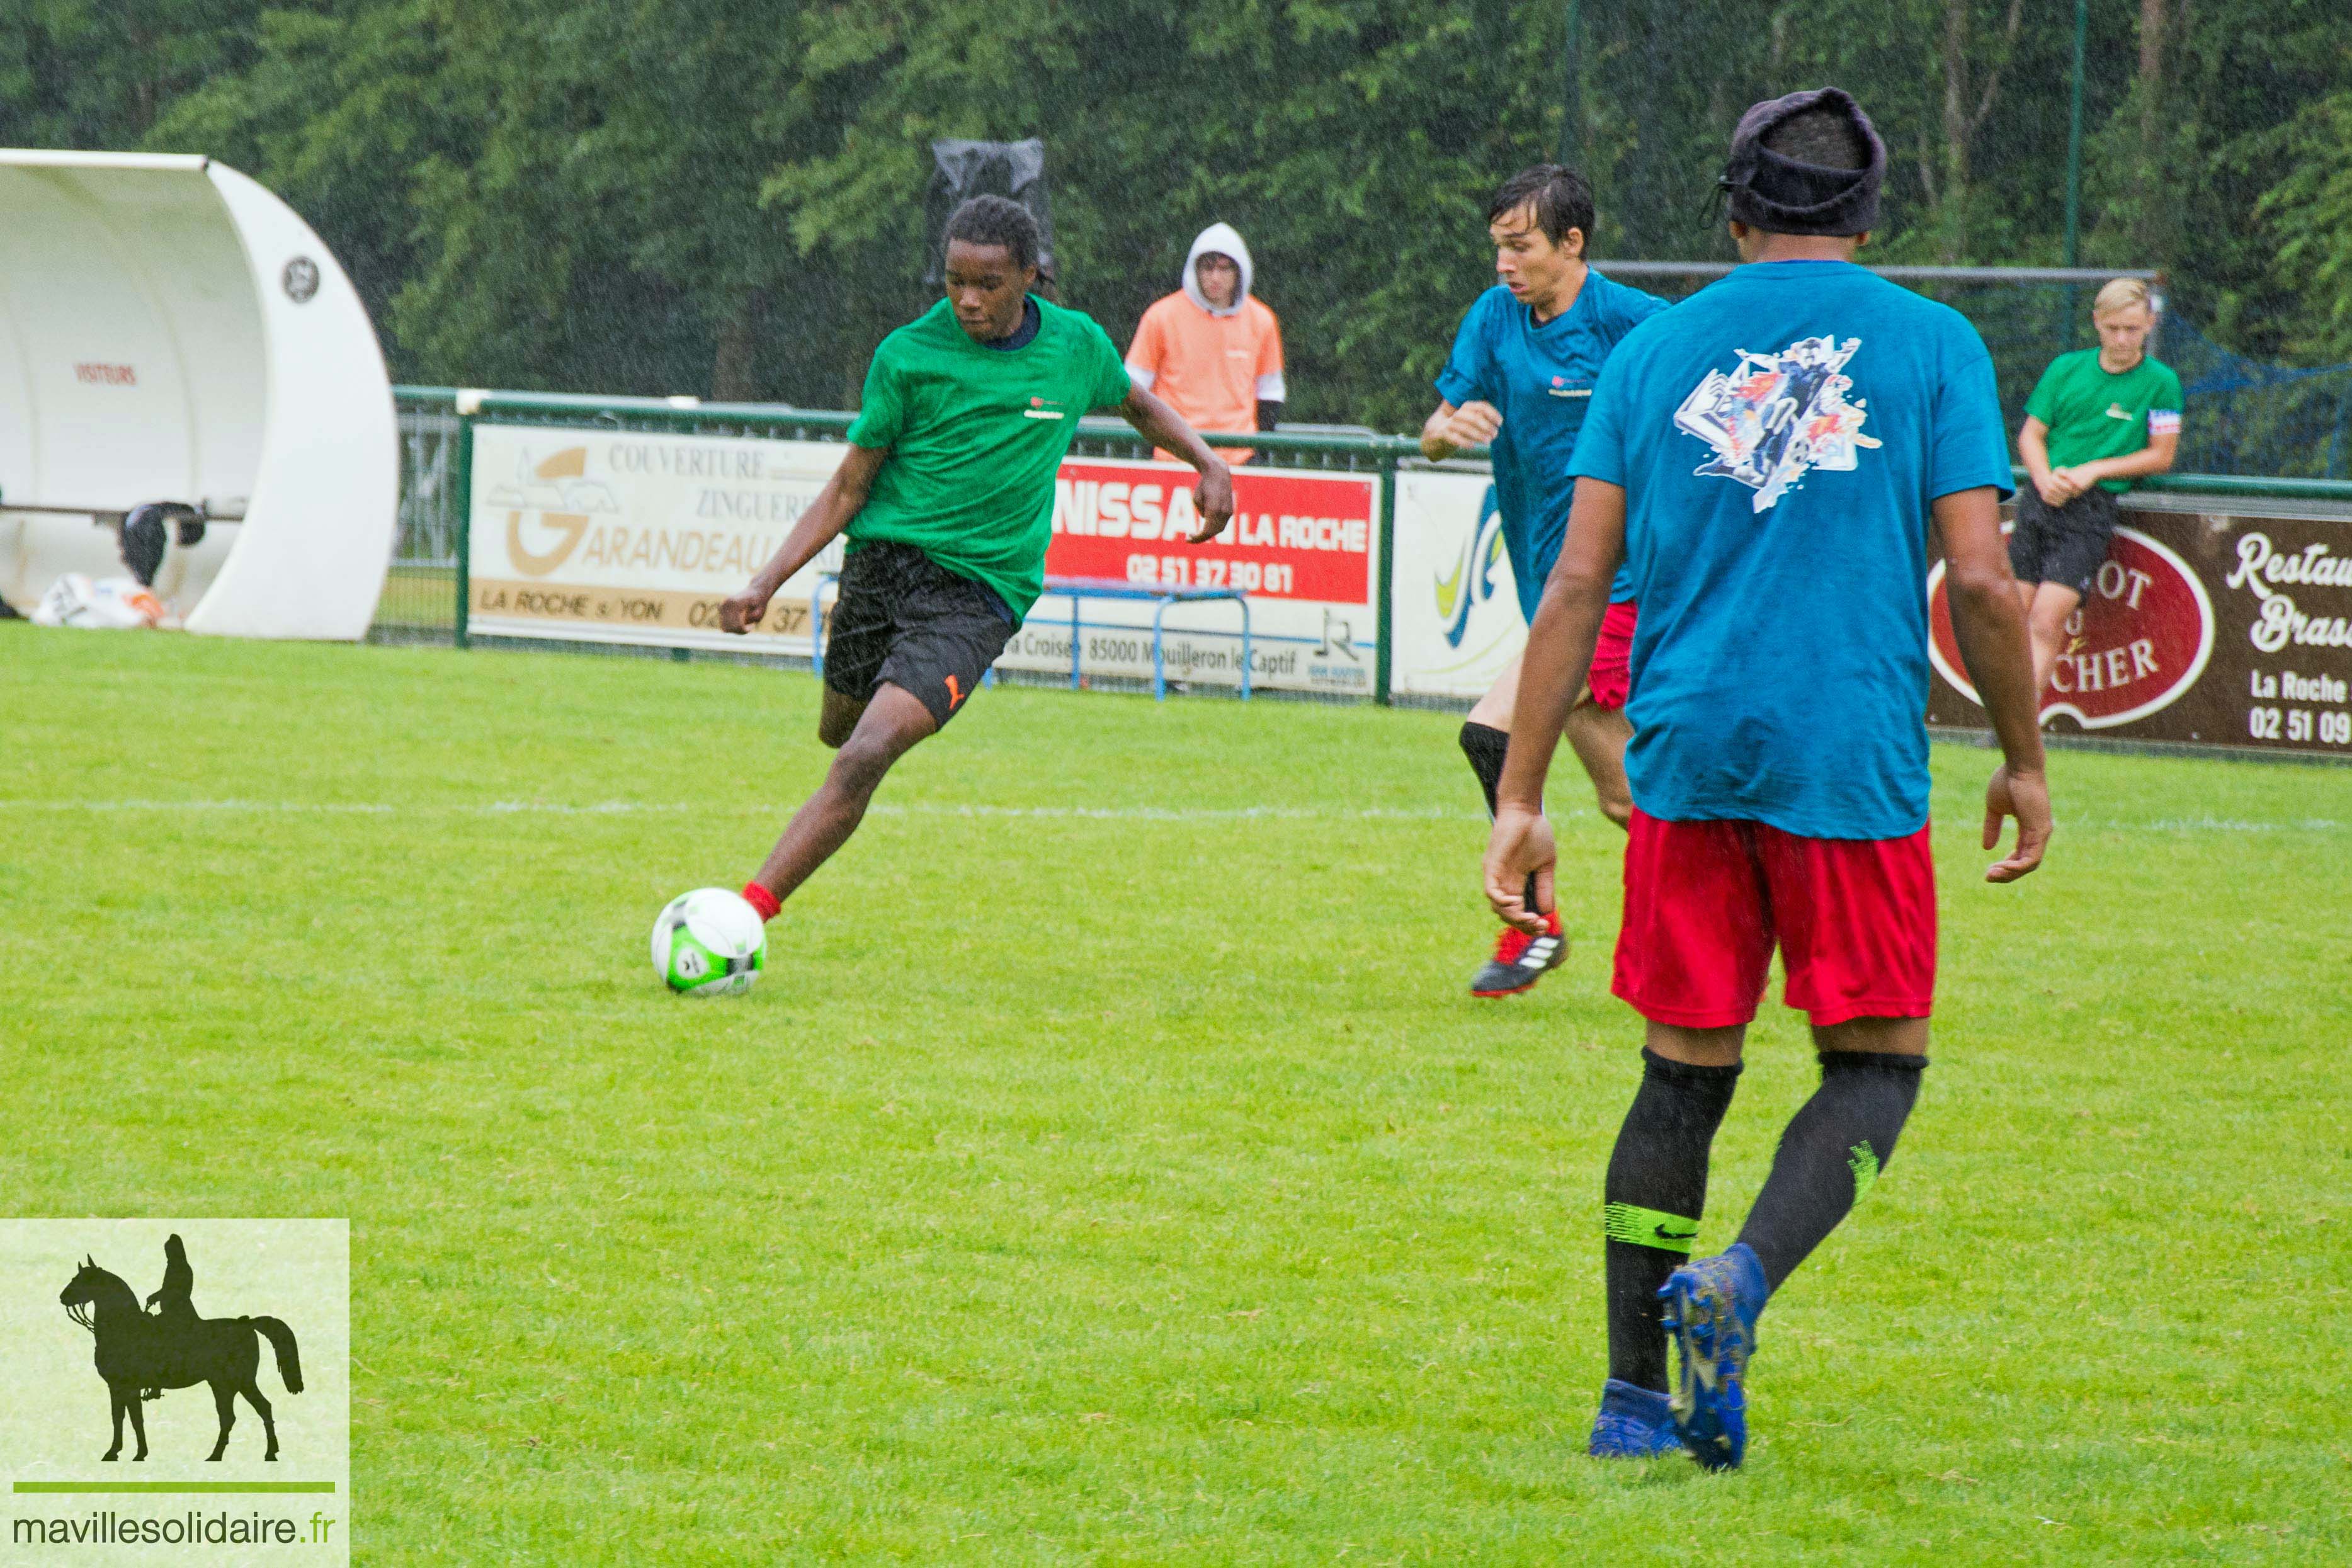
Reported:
(1110, 1167)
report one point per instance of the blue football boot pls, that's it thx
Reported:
(1634, 1423)
(1710, 1309)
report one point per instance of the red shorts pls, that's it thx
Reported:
(1612, 658)
(1704, 901)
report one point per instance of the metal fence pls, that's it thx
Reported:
(427, 597)
(2243, 416)
(2248, 417)
(420, 597)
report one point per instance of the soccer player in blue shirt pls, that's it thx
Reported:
(1518, 380)
(1767, 458)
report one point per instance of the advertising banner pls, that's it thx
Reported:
(627, 537)
(2203, 629)
(621, 536)
(1453, 604)
(1304, 545)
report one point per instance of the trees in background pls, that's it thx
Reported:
(722, 196)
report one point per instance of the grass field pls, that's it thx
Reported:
(1111, 1167)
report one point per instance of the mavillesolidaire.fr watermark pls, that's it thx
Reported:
(178, 1386)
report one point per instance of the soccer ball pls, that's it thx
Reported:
(709, 942)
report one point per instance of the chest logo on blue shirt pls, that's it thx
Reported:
(1560, 388)
(1778, 417)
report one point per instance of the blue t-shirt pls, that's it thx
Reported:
(1540, 377)
(1780, 435)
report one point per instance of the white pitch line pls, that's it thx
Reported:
(2306, 824)
(303, 807)
(1193, 814)
(2174, 824)
(635, 807)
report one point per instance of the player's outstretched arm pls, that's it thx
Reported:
(1991, 626)
(1165, 428)
(835, 504)
(1552, 670)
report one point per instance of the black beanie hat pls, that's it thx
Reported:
(1782, 195)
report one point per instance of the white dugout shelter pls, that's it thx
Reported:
(170, 332)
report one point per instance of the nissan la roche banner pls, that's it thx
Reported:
(627, 537)
(1303, 546)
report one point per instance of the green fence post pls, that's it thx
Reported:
(461, 485)
(1572, 90)
(1386, 646)
(2074, 171)
(2075, 138)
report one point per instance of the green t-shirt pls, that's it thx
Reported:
(2093, 413)
(976, 435)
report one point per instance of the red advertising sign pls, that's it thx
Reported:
(2138, 642)
(1294, 536)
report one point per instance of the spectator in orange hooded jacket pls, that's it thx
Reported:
(1212, 351)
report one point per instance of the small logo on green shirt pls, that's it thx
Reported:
(1040, 409)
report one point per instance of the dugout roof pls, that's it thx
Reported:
(170, 331)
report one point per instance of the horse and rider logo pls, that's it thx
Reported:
(143, 1350)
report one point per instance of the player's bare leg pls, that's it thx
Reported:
(2047, 606)
(870, 736)
(838, 718)
(1494, 709)
(1598, 736)
(1723, 1048)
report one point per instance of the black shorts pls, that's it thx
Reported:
(904, 618)
(2061, 544)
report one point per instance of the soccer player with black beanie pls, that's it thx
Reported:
(1766, 460)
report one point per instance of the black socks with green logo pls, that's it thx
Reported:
(1486, 746)
(1657, 1190)
(1833, 1149)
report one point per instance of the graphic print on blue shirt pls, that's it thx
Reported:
(1780, 436)
(1539, 376)
(1779, 414)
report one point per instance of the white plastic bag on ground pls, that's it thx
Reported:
(107, 604)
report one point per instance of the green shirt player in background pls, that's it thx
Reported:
(2099, 419)
(947, 496)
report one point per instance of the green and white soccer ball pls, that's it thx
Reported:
(709, 942)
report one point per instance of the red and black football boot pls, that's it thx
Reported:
(1521, 960)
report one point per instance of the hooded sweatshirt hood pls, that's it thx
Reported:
(1223, 240)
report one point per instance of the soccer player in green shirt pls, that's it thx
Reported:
(947, 496)
(2099, 419)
